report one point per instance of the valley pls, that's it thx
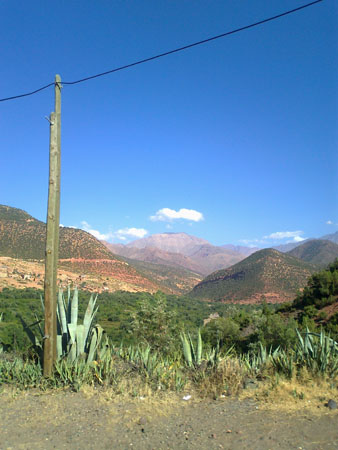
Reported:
(174, 263)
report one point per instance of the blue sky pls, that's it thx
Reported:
(234, 141)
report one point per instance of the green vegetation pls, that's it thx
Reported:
(158, 341)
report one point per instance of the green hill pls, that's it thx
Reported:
(265, 274)
(316, 251)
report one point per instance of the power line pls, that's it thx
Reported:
(28, 93)
(170, 52)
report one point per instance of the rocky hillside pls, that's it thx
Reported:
(82, 260)
(267, 274)
(22, 236)
(316, 251)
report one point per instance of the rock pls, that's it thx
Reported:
(142, 421)
(331, 404)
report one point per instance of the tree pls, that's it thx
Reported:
(153, 324)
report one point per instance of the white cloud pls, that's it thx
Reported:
(123, 233)
(329, 222)
(61, 225)
(250, 242)
(285, 234)
(298, 239)
(296, 236)
(168, 215)
(96, 233)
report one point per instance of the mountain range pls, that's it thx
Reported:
(81, 257)
(171, 262)
(201, 257)
(182, 250)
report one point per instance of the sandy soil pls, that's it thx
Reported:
(95, 420)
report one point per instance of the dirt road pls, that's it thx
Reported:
(58, 420)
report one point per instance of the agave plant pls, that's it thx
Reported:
(318, 352)
(192, 354)
(74, 340)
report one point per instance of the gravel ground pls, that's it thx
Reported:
(58, 420)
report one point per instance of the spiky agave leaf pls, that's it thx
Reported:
(74, 307)
(80, 340)
(89, 315)
(95, 339)
(62, 313)
(186, 349)
(199, 348)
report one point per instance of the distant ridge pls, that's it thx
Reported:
(316, 251)
(181, 250)
(333, 237)
(170, 242)
(267, 274)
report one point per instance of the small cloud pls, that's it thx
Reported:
(169, 227)
(251, 242)
(298, 239)
(329, 222)
(96, 233)
(285, 234)
(61, 225)
(295, 236)
(168, 215)
(124, 233)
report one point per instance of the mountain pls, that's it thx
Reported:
(211, 258)
(22, 236)
(176, 279)
(267, 274)
(316, 251)
(81, 255)
(331, 237)
(155, 256)
(82, 260)
(180, 250)
(284, 248)
(246, 251)
(170, 242)
(291, 245)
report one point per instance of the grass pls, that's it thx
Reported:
(297, 394)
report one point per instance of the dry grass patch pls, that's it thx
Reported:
(301, 393)
(225, 379)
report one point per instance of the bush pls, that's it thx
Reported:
(224, 331)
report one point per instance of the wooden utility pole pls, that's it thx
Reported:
(52, 239)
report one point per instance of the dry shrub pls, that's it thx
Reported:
(225, 379)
